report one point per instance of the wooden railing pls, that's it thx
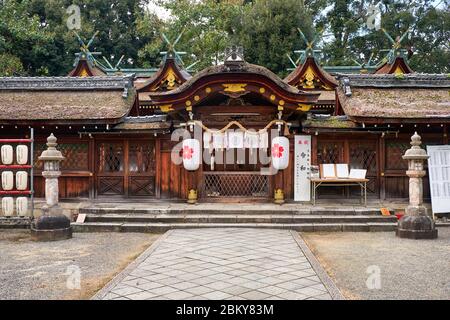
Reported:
(235, 184)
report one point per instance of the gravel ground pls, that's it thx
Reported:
(409, 269)
(40, 271)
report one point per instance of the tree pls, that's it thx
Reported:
(266, 29)
(427, 43)
(268, 32)
(115, 20)
(22, 40)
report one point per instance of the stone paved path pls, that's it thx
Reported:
(221, 264)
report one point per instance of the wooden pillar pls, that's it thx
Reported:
(92, 168)
(446, 131)
(314, 150)
(382, 166)
(158, 168)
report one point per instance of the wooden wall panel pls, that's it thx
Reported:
(165, 175)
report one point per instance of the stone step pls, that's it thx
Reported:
(163, 227)
(228, 218)
(229, 211)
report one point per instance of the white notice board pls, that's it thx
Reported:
(439, 176)
(302, 183)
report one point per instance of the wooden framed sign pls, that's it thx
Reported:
(302, 183)
(342, 171)
(439, 176)
(328, 171)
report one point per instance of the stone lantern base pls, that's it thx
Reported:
(416, 224)
(53, 227)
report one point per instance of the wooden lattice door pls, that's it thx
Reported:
(364, 155)
(126, 168)
(141, 168)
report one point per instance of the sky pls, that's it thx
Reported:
(161, 12)
(164, 14)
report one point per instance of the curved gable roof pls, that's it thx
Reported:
(234, 80)
(300, 76)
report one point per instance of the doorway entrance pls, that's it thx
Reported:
(126, 168)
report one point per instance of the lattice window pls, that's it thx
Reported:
(329, 152)
(142, 157)
(394, 152)
(111, 158)
(110, 186)
(232, 185)
(363, 156)
(76, 154)
(142, 186)
(38, 149)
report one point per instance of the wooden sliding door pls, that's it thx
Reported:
(126, 168)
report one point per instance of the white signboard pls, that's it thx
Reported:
(439, 175)
(302, 184)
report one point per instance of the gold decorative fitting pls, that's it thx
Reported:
(234, 87)
(84, 73)
(309, 78)
(197, 98)
(188, 103)
(262, 90)
(273, 97)
(281, 103)
(208, 90)
(171, 79)
(303, 107)
(399, 71)
(166, 108)
(192, 196)
(279, 196)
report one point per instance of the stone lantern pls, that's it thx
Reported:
(53, 225)
(416, 224)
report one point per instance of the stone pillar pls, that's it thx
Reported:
(53, 225)
(416, 224)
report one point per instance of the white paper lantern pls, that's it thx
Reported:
(21, 180)
(280, 153)
(8, 206)
(7, 180)
(7, 154)
(22, 206)
(22, 154)
(191, 154)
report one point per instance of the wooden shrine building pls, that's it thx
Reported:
(115, 128)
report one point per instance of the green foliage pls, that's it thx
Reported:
(269, 32)
(35, 40)
(10, 65)
(23, 41)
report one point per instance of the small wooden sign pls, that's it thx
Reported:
(81, 218)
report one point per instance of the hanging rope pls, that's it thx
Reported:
(236, 123)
